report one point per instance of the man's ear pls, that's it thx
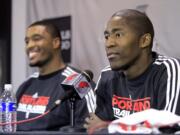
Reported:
(145, 40)
(56, 43)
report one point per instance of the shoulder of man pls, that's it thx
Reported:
(29, 78)
(26, 84)
(168, 62)
(69, 70)
(108, 73)
(170, 67)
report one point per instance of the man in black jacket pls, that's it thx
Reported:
(137, 78)
(39, 92)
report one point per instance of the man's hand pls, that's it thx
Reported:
(94, 123)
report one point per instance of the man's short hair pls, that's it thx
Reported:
(51, 28)
(138, 21)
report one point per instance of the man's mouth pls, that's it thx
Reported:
(32, 55)
(33, 52)
(112, 55)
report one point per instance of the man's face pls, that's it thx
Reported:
(122, 44)
(39, 46)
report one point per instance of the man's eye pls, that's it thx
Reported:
(37, 38)
(118, 35)
(106, 36)
(26, 41)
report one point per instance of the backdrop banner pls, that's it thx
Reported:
(64, 25)
(82, 24)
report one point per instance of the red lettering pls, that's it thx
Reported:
(147, 105)
(34, 101)
(122, 104)
(136, 106)
(26, 99)
(129, 105)
(114, 101)
(42, 101)
(141, 106)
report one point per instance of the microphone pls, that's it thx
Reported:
(77, 85)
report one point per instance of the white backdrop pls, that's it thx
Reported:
(88, 22)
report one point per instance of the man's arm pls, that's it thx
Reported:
(104, 112)
(169, 87)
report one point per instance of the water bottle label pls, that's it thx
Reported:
(10, 107)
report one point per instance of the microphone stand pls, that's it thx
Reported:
(72, 101)
(72, 128)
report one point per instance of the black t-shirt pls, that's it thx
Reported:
(158, 87)
(38, 94)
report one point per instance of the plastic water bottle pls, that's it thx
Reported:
(8, 106)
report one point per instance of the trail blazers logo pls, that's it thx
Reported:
(126, 106)
(33, 104)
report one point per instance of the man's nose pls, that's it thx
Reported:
(110, 42)
(30, 44)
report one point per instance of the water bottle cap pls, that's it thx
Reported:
(8, 86)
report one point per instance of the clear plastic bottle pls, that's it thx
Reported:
(8, 103)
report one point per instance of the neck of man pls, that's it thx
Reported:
(139, 67)
(53, 66)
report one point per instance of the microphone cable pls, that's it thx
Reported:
(56, 103)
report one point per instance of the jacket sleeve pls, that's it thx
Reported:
(169, 87)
